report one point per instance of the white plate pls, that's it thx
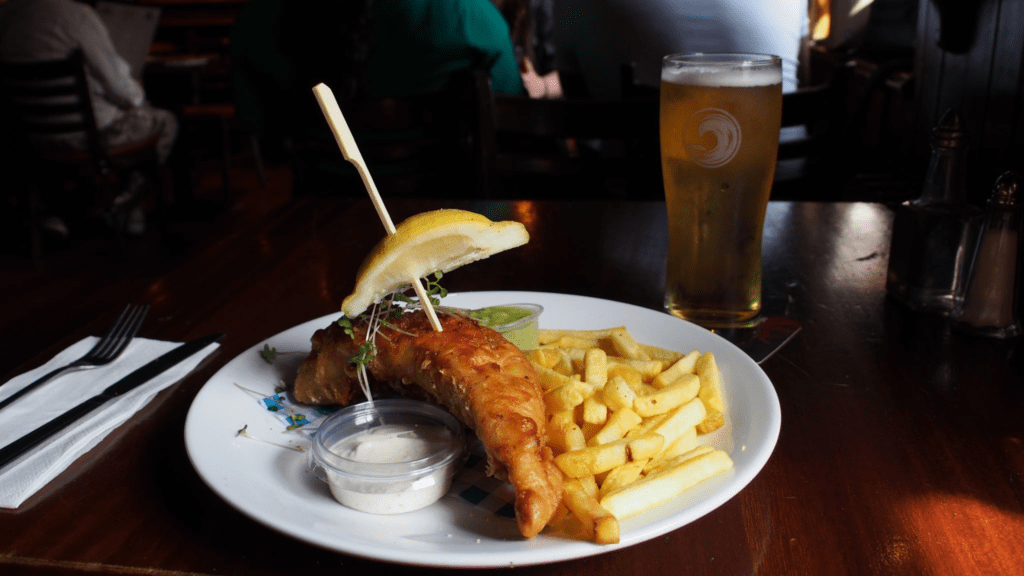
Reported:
(272, 486)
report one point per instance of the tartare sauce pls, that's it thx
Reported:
(392, 444)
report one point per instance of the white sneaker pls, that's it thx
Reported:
(132, 189)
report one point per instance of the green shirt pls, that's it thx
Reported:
(418, 45)
(421, 43)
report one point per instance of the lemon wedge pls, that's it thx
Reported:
(425, 243)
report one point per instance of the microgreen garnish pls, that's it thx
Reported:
(244, 431)
(269, 354)
(299, 420)
(434, 293)
(365, 353)
(392, 306)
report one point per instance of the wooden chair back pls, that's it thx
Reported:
(44, 101)
(51, 98)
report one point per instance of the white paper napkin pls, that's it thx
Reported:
(23, 477)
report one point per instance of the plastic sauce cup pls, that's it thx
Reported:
(516, 322)
(389, 456)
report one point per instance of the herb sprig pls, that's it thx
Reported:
(244, 431)
(269, 353)
(392, 307)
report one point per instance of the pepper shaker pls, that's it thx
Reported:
(989, 307)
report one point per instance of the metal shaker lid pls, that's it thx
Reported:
(951, 131)
(1004, 194)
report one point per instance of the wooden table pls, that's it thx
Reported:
(901, 450)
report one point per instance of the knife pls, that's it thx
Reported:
(129, 382)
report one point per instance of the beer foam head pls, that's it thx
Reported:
(711, 71)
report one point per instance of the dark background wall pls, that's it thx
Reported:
(970, 54)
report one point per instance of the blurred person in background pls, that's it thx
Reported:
(532, 27)
(32, 30)
(596, 37)
(365, 51)
(38, 30)
(362, 49)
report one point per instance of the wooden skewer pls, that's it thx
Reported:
(349, 149)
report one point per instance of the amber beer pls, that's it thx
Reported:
(720, 118)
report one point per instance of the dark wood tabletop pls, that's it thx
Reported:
(901, 447)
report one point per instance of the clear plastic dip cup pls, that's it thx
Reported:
(388, 456)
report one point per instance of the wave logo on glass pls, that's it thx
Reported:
(725, 130)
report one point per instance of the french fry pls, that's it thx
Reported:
(589, 485)
(683, 390)
(644, 446)
(549, 379)
(561, 513)
(625, 345)
(595, 369)
(684, 365)
(597, 459)
(592, 459)
(683, 448)
(606, 530)
(600, 525)
(576, 342)
(679, 421)
(595, 411)
(566, 438)
(622, 475)
(667, 356)
(617, 394)
(631, 375)
(647, 369)
(590, 430)
(548, 335)
(567, 396)
(648, 425)
(546, 357)
(713, 421)
(560, 418)
(618, 424)
(644, 390)
(563, 363)
(710, 382)
(664, 485)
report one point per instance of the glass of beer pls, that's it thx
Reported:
(720, 119)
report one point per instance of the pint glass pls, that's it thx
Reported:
(720, 118)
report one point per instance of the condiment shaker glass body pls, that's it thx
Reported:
(932, 236)
(989, 307)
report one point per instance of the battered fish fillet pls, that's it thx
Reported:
(478, 375)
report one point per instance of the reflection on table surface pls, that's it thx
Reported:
(900, 449)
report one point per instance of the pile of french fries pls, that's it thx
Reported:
(624, 421)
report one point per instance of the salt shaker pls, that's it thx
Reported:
(931, 235)
(989, 307)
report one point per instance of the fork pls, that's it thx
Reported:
(104, 352)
